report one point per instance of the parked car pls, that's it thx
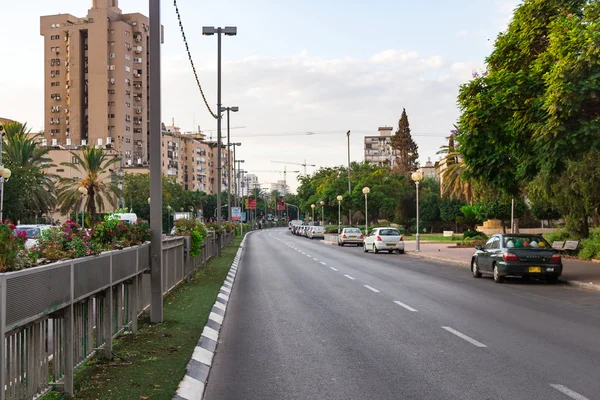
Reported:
(33, 232)
(384, 239)
(350, 236)
(315, 232)
(518, 255)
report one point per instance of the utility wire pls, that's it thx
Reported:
(187, 48)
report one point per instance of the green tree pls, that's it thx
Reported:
(456, 181)
(93, 165)
(470, 217)
(506, 131)
(450, 208)
(498, 206)
(29, 191)
(405, 147)
(429, 203)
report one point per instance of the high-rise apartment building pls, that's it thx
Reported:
(96, 80)
(378, 149)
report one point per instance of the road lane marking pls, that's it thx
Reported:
(333, 268)
(464, 337)
(315, 259)
(401, 304)
(371, 288)
(349, 277)
(565, 390)
(323, 263)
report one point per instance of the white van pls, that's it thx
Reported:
(127, 217)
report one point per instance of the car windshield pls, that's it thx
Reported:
(389, 232)
(525, 242)
(352, 230)
(30, 232)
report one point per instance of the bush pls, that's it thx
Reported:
(560, 235)
(590, 247)
(469, 234)
(13, 255)
(195, 230)
(66, 241)
(113, 233)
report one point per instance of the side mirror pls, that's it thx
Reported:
(478, 247)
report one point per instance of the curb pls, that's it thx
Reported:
(577, 284)
(193, 383)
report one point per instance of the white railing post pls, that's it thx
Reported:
(3, 358)
(68, 336)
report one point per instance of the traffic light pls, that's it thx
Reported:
(283, 202)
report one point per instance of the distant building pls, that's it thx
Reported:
(247, 183)
(430, 170)
(378, 149)
(96, 80)
(281, 186)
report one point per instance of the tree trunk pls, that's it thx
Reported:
(516, 225)
(585, 227)
(503, 226)
(92, 203)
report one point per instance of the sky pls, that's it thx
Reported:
(323, 67)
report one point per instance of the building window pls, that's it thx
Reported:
(112, 42)
(111, 115)
(127, 33)
(127, 57)
(128, 105)
(137, 60)
(111, 91)
(112, 55)
(111, 103)
(128, 129)
(127, 140)
(128, 93)
(55, 84)
(54, 37)
(112, 31)
(127, 69)
(111, 127)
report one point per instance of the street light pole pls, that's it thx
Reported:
(313, 212)
(322, 213)
(366, 191)
(209, 31)
(339, 199)
(349, 187)
(228, 109)
(416, 177)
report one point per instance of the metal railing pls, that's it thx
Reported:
(56, 317)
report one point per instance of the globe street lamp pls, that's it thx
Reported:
(322, 213)
(83, 190)
(366, 192)
(417, 176)
(4, 175)
(339, 199)
(313, 212)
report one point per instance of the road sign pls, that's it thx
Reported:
(244, 216)
(236, 213)
(251, 204)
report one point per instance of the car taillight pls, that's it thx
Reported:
(510, 257)
(361, 236)
(401, 239)
(313, 231)
(379, 239)
(344, 236)
(555, 258)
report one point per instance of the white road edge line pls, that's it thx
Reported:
(333, 268)
(565, 390)
(464, 337)
(371, 288)
(349, 277)
(409, 308)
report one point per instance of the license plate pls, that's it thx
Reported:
(535, 269)
(352, 237)
(391, 244)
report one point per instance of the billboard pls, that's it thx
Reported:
(236, 213)
(251, 204)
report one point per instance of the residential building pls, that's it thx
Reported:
(430, 170)
(281, 186)
(247, 183)
(378, 149)
(96, 81)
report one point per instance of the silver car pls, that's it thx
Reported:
(350, 236)
(316, 232)
(384, 239)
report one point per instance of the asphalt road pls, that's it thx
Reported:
(313, 321)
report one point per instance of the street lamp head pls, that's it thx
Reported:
(230, 30)
(6, 173)
(322, 203)
(82, 190)
(366, 190)
(340, 198)
(169, 207)
(148, 200)
(208, 30)
(238, 144)
(417, 176)
(235, 109)
(312, 206)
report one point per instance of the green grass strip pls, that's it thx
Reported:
(150, 364)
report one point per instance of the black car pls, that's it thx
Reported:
(519, 255)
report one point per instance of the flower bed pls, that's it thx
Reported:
(195, 230)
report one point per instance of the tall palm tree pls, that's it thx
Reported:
(454, 181)
(30, 190)
(93, 165)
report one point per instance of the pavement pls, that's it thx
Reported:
(308, 321)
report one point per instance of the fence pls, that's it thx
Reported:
(56, 317)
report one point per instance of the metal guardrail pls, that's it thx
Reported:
(56, 317)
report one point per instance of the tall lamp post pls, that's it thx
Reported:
(228, 109)
(313, 212)
(366, 192)
(83, 191)
(228, 31)
(339, 199)
(169, 217)
(417, 176)
(322, 213)
(235, 176)
(4, 175)
(349, 187)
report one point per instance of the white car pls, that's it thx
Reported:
(384, 239)
(316, 232)
(33, 232)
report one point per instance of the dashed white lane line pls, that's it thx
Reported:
(401, 304)
(349, 277)
(315, 259)
(335, 269)
(371, 288)
(323, 263)
(571, 393)
(464, 337)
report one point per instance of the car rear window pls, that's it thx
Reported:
(352, 230)
(389, 232)
(526, 242)
(31, 232)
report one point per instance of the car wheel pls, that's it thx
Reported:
(497, 277)
(375, 250)
(400, 251)
(365, 248)
(552, 279)
(475, 269)
(390, 251)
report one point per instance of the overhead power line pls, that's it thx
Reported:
(187, 48)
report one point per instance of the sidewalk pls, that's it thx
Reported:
(583, 274)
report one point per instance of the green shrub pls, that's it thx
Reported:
(590, 247)
(559, 235)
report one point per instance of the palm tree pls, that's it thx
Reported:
(30, 190)
(93, 165)
(454, 181)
